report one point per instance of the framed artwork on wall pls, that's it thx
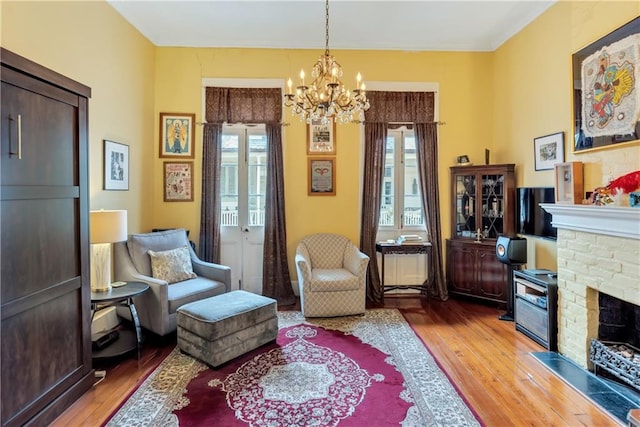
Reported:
(116, 166)
(177, 137)
(548, 150)
(178, 181)
(321, 138)
(606, 90)
(322, 176)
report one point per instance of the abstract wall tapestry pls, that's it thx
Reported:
(611, 88)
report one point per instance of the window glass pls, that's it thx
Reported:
(401, 205)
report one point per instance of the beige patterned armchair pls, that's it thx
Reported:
(331, 276)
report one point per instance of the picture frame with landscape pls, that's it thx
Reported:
(548, 150)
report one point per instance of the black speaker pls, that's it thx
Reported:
(511, 250)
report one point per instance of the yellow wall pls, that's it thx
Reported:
(533, 96)
(465, 91)
(92, 44)
(499, 100)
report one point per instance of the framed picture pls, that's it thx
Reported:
(178, 181)
(548, 150)
(116, 166)
(322, 176)
(321, 138)
(606, 91)
(177, 135)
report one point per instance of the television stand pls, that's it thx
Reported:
(536, 307)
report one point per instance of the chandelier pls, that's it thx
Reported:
(326, 98)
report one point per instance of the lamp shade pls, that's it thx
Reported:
(108, 226)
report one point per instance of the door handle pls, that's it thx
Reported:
(19, 127)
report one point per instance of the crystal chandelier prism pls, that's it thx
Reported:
(326, 98)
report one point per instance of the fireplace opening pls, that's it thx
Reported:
(616, 352)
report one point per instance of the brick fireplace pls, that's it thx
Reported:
(598, 251)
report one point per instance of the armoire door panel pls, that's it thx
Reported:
(43, 347)
(49, 252)
(44, 131)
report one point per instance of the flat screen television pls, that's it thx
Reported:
(531, 219)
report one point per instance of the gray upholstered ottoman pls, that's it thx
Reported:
(220, 328)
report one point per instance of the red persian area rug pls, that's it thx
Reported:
(369, 370)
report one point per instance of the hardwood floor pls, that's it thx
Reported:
(486, 359)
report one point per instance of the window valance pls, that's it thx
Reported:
(243, 105)
(390, 107)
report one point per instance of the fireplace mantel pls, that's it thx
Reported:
(611, 221)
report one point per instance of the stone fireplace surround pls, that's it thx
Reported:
(598, 250)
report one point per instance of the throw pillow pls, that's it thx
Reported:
(173, 265)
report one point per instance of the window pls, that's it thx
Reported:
(401, 189)
(243, 175)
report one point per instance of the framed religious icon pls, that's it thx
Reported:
(322, 176)
(116, 166)
(178, 181)
(177, 135)
(321, 138)
(606, 90)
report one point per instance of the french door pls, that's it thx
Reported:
(242, 200)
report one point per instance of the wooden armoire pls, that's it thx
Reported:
(44, 290)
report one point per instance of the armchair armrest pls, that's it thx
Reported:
(218, 272)
(303, 264)
(355, 261)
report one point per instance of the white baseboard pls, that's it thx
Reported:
(104, 320)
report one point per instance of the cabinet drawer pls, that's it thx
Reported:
(533, 318)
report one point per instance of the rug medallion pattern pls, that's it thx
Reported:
(346, 371)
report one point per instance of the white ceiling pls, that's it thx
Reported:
(453, 25)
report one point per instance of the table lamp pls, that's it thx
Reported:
(106, 227)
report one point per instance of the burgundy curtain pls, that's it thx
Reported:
(253, 105)
(276, 281)
(210, 208)
(375, 136)
(427, 151)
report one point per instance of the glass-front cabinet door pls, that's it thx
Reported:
(483, 201)
(492, 205)
(465, 194)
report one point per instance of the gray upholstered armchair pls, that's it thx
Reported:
(157, 307)
(331, 276)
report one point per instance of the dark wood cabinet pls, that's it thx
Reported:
(473, 270)
(44, 201)
(483, 207)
